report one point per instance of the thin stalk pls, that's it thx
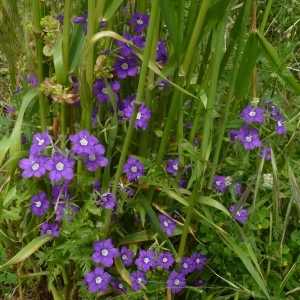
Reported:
(194, 39)
(265, 17)
(39, 57)
(138, 102)
(254, 74)
(226, 110)
(205, 149)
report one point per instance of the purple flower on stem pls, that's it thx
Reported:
(60, 167)
(187, 265)
(172, 166)
(39, 142)
(142, 117)
(104, 252)
(126, 256)
(98, 280)
(165, 260)
(82, 20)
(117, 284)
(107, 200)
(280, 129)
(125, 67)
(137, 278)
(33, 166)
(10, 109)
(219, 183)
(176, 282)
(139, 22)
(96, 159)
(265, 152)
(233, 135)
(199, 261)
(250, 114)
(50, 229)
(249, 138)
(102, 92)
(200, 282)
(238, 188)
(133, 168)
(68, 208)
(161, 53)
(125, 50)
(240, 215)
(83, 142)
(167, 224)
(145, 260)
(39, 204)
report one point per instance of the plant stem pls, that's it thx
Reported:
(265, 17)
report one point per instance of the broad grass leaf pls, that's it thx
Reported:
(110, 8)
(28, 250)
(122, 270)
(58, 61)
(246, 67)
(4, 146)
(212, 202)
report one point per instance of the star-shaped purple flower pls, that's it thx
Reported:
(167, 224)
(39, 142)
(125, 67)
(249, 138)
(39, 204)
(50, 229)
(137, 278)
(83, 142)
(33, 166)
(265, 152)
(104, 252)
(101, 91)
(199, 260)
(165, 260)
(107, 200)
(187, 265)
(251, 114)
(139, 22)
(98, 280)
(280, 129)
(96, 159)
(126, 256)
(117, 284)
(176, 282)
(133, 168)
(146, 260)
(219, 183)
(142, 117)
(172, 166)
(240, 215)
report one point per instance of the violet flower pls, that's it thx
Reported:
(50, 229)
(172, 166)
(39, 204)
(240, 215)
(176, 282)
(219, 183)
(101, 91)
(39, 142)
(251, 114)
(104, 252)
(133, 168)
(117, 284)
(165, 260)
(139, 22)
(137, 278)
(167, 224)
(33, 166)
(280, 129)
(187, 265)
(199, 260)
(142, 117)
(83, 142)
(96, 159)
(97, 280)
(249, 138)
(265, 152)
(145, 260)
(125, 67)
(200, 282)
(126, 256)
(107, 200)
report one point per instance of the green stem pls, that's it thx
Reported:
(226, 110)
(265, 17)
(39, 56)
(205, 149)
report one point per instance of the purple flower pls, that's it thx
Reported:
(200, 282)
(142, 117)
(125, 67)
(240, 215)
(187, 265)
(161, 53)
(137, 278)
(165, 260)
(10, 109)
(39, 142)
(104, 252)
(249, 138)
(280, 129)
(145, 260)
(96, 159)
(117, 284)
(274, 111)
(139, 22)
(82, 20)
(237, 188)
(199, 261)
(39, 204)
(126, 256)
(265, 152)
(167, 224)
(50, 229)
(32, 80)
(125, 50)
(176, 282)
(101, 91)
(219, 183)
(133, 168)
(98, 280)
(172, 166)
(33, 166)
(233, 134)
(250, 114)
(60, 167)
(67, 207)
(83, 142)
(61, 191)
(107, 200)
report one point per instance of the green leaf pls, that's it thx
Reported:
(28, 250)
(212, 202)
(58, 61)
(110, 8)
(4, 146)
(141, 236)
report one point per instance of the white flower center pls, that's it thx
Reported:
(98, 279)
(92, 157)
(175, 167)
(238, 213)
(176, 281)
(124, 257)
(83, 142)
(104, 91)
(166, 223)
(185, 265)
(252, 113)
(248, 138)
(198, 260)
(218, 183)
(124, 66)
(139, 280)
(120, 286)
(38, 203)
(104, 252)
(140, 22)
(49, 231)
(40, 141)
(35, 166)
(120, 113)
(279, 123)
(104, 199)
(164, 259)
(146, 260)
(139, 115)
(133, 169)
(59, 166)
